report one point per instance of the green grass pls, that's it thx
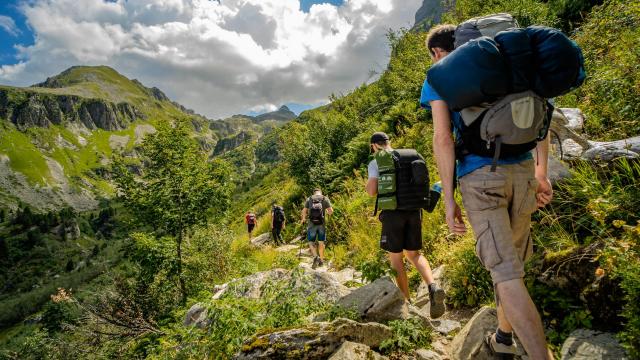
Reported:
(23, 155)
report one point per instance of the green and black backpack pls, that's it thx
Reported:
(403, 181)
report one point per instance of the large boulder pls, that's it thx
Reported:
(313, 341)
(261, 239)
(197, 315)
(354, 351)
(469, 342)
(306, 281)
(592, 345)
(378, 301)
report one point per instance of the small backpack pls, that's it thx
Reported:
(316, 212)
(251, 219)
(278, 214)
(488, 25)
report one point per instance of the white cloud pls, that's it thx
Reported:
(218, 58)
(8, 25)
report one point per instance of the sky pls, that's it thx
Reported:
(217, 57)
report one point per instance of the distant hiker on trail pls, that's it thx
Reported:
(278, 222)
(316, 207)
(399, 179)
(499, 193)
(251, 220)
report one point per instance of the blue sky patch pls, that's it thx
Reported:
(13, 31)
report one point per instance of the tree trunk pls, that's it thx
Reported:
(183, 287)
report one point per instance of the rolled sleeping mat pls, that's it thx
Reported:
(515, 46)
(558, 60)
(472, 74)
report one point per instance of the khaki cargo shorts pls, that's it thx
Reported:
(499, 207)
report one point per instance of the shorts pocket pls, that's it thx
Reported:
(483, 195)
(528, 203)
(486, 249)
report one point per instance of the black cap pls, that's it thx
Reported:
(378, 137)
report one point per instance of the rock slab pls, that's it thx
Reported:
(592, 345)
(354, 351)
(378, 301)
(314, 341)
(469, 342)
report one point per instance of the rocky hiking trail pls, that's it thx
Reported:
(458, 335)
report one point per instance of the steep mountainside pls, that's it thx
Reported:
(57, 137)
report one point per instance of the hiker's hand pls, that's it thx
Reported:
(544, 192)
(454, 218)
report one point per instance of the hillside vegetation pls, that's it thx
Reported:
(585, 274)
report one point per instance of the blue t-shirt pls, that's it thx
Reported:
(470, 162)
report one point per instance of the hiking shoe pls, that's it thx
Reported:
(316, 260)
(499, 350)
(436, 298)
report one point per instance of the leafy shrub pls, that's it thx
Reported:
(59, 311)
(470, 283)
(609, 41)
(375, 268)
(407, 335)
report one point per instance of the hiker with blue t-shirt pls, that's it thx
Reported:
(499, 195)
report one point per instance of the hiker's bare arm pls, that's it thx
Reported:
(329, 211)
(544, 192)
(372, 186)
(444, 151)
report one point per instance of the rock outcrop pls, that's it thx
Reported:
(230, 143)
(314, 341)
(32, 108)
(469, 342)
(354, 351)
(304, 280)
(592, 345)
(378, 301)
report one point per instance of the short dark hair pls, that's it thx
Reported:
(441, 36)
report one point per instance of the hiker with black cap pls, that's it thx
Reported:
(400, 180)
(316, 207)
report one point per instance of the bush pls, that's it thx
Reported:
(59, 311)
(470, 283)
(608, 98)
(407, 335)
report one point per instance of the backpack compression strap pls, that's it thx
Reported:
(496, 154)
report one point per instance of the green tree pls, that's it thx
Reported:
(178, 188)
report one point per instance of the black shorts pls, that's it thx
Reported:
(250, 227)
(401, 230)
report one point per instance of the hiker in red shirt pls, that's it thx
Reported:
(251, 220)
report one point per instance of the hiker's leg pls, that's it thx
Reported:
(523, 317)
(322, 236)
(397, 264)
(311, 239)
(321, 250)
(503, 323)
(421, 264)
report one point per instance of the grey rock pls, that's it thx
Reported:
(469, 342)
(591, 345)
(557, 170)
(607, 151)
(415, 312)
(574, 118)
(378, 301)
(196, 316)
(304, 280)
(424, 354)
(261, 239)
(354, 351)
(313, 341)
(232, 142)
(445, 327)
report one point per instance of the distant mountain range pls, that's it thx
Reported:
(57, 137)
